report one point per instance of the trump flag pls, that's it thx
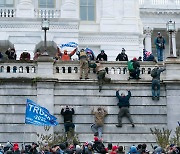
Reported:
(38, 115)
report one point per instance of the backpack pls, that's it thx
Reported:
(154, 73)
(130, 66)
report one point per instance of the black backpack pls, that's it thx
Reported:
(154, 73)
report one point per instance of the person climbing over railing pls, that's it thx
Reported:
(133, 67)
(101, 73)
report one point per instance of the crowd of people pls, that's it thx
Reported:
(91, 147)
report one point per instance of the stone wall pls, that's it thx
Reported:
(56, 88)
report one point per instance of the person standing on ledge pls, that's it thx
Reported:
(160, 46)
(83, 60)
(123, 107)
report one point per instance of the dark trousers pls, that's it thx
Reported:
(101, 75)
(124, 112)
(68, 126)
(135, 73)
(155, 88)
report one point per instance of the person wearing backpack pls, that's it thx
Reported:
(133, 67)
(155, 74)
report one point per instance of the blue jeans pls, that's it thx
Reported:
(96, 129)
(160, 54)
(155, 88)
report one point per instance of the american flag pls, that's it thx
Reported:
(146, 54)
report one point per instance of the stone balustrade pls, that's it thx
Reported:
(47, 13)
(7, 12)
(70, 70)
(18, 69)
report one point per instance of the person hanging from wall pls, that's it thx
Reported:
(99, 116)
(101, 74)
(64, 56)
(83, 59)
(134, 69)
(122, 56)
(102, 56)
(68, 113)
(155, 74)
(123, 107)
(160, 46)
(11, 53)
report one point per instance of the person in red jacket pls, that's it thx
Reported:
(65, 56)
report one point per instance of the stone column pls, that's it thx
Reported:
(174, 43)
(25, 9)
(148, 43)
(45, 87)
(69, 9)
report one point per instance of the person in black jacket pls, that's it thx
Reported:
(102, 56)
(68, 112)
(122, 56)
(123, 107)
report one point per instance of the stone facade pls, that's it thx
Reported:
(61, 86)
(119, 24)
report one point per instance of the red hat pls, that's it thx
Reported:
(15, 147)
(134, 58)
(114, 148)
(96, 138)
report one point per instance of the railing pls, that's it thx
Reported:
(70, 70)
(18, 69)
(159, 2)
(47, 13)
(7, 12)
(116, 70)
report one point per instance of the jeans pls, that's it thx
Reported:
(160, 54)
(96, 129)
(155, 88)
(68, 125)
(135, 73)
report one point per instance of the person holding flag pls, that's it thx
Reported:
(66, 56)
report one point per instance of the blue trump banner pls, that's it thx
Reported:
(70, 44)
(37, 115)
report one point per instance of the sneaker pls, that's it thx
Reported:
(86, 78)
(158, 98)
(153, 98)
(80, 78)
(118, 125)
(92, 125)
(133, 125)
